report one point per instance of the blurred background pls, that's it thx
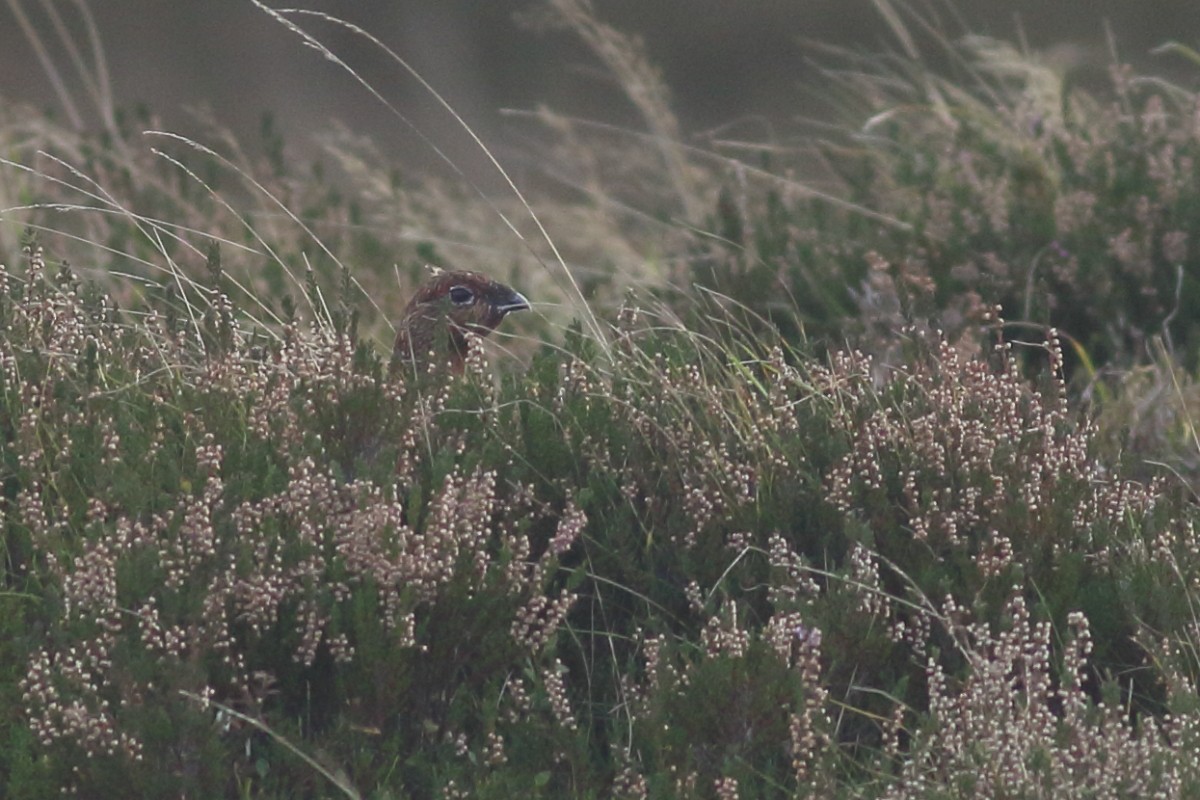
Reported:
(746, 69)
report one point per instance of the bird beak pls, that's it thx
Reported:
(509, 301)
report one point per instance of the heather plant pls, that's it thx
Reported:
(1019, 727)
(998, 179)
(458, 585)
(676, 549)
(199, 541)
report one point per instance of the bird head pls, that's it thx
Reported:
(439, 314)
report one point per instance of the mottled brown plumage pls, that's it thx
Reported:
(435, 319)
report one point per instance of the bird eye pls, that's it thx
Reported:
(461, 295)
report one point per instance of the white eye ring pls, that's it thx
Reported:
(461, 296)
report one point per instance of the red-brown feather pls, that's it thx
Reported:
(434, 320)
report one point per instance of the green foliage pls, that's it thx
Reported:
(1005, 184)
(697, 563)
(728, 556)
